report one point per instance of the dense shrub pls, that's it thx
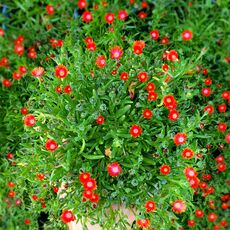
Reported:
(121, 102)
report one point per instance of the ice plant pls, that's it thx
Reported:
(38, 71)
(83, 177)
(179, 206)
(180, 138)
(67, 216)
(138, 46)
(172, 55)
(114, 169)
(109, 18)
(101, 61)
(187, 153)
(124, 76)
(135, 131)
(116, 52)
(90, 184)
(190, 172)
(61, 71)
(165, 169)
(187, 35)
(150, 206)
(147, 113)
(154, 34)
(51, 145)
(29, 120)
(142, 76)
(143, 223)
(100, 120)
(87, 16)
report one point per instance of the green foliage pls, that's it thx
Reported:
(86, 146)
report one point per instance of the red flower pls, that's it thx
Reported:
(101, 61)
(173, 115)
(61, 71)
(114, 169)
(38, 71)
(67, 216)
(27, 221)
(220, 159)
(1, 32)
(147, 113)
(6, 83)
(180, 138)
(55, 189)
(208, 81)
(91, 46)
(87, 16)
(29, 120)
(83, 177)
(190, 172)
(206, 92)
(179, 206)
(187, 35)
(169, 101)
(227, 138)
(88, 40)
(222, 108)
(187, 153)
(34, 197)
(19, 50)
(152, 96)
(51, 145)
(109, 18)
(199, 213)
(87, 194)
(212, 217)
(24, 111)
(22, 69)
(142, 15)
(164, 40)
(100, 120)
(222, 127)
(49, 9)
(165, 67)
(226, 95)
(40, 176)
(150, 206)
(150, 86)
(154, 34)
(94, 198)
(138, 47)
(122, 15)
(81, 4)
(222, 167)
(10, 184)
(58, 89)
(68, 89)
(142, 76)
(191, 223)
(11, 194)
(135, 131)
(124, 76)
(143, 223)
(194, 182)
(17, 76)
(116, 52)
(172, 55)
(90, 184)
(165, 169)
(209, 109)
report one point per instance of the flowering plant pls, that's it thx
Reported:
(118, 106)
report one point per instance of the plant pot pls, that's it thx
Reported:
(129, 213)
